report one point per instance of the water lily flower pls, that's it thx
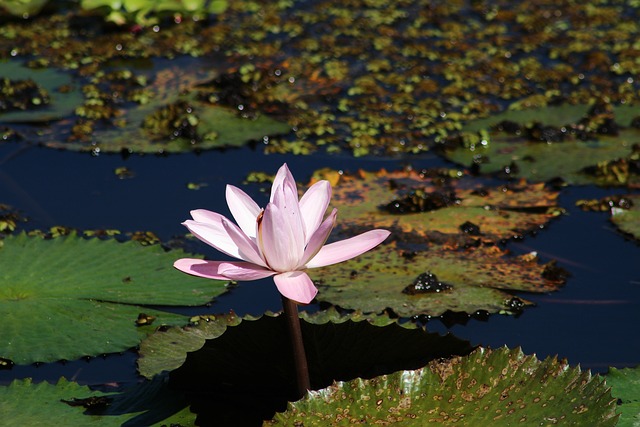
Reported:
(282, 240)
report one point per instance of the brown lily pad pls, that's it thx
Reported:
(436, 207)
(483, 278)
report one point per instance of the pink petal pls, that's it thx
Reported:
(296, 285)
(205, 216)
(343, 250)
(313, 206)
(244, 210)
(222, 270)
(214, 234)
(282, 179)
(244, 271)
(281, 239)
(199, 267)
(247, 248)
(319, 238)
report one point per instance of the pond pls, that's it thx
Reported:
(554, 277)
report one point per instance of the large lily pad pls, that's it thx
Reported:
(442, 205)
(214, 126)
(158, 111)
(482, 278)
(499, 387)
(69, 297)
(551, 142)
(167, 350)
(625, 386)
(150, 403)
(243, 375)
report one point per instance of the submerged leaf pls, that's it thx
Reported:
(69, 297)
(488, 387)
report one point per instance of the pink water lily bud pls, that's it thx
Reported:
(282, 240)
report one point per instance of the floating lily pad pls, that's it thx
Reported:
(168, 117)
(437, 205)
(22, 7)
(150, 403)
(628, 220)
(550, 142)
(488, 387)
(243, 374)
(167, 350)
(625, 386)
(69, 297)
(63, 96)
(475, 279)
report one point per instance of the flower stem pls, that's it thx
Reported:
(295, 335)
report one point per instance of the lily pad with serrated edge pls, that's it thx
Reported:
(62, 101)
(628, 220)
(244, 374)
(365, 200)
(167, 350)
(480, 278)
(488, 387)
(69, 297)
(150, 403)
(625, 386)
(542, 161)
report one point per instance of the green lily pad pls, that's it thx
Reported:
(625, 386)
(628, 220)
(63, 96)
(169, 116)
(488, 387)
(22, 7)
(69, 297)
(167, 350)
(398, 280)
(243, 375)
(150, 403)
(438, 206)
(577, 154)
(216, 127)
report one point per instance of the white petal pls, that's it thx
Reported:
(343, 250)
(296, 285)
(313, 206)
(244, 210)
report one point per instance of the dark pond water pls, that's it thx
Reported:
(592, 321)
